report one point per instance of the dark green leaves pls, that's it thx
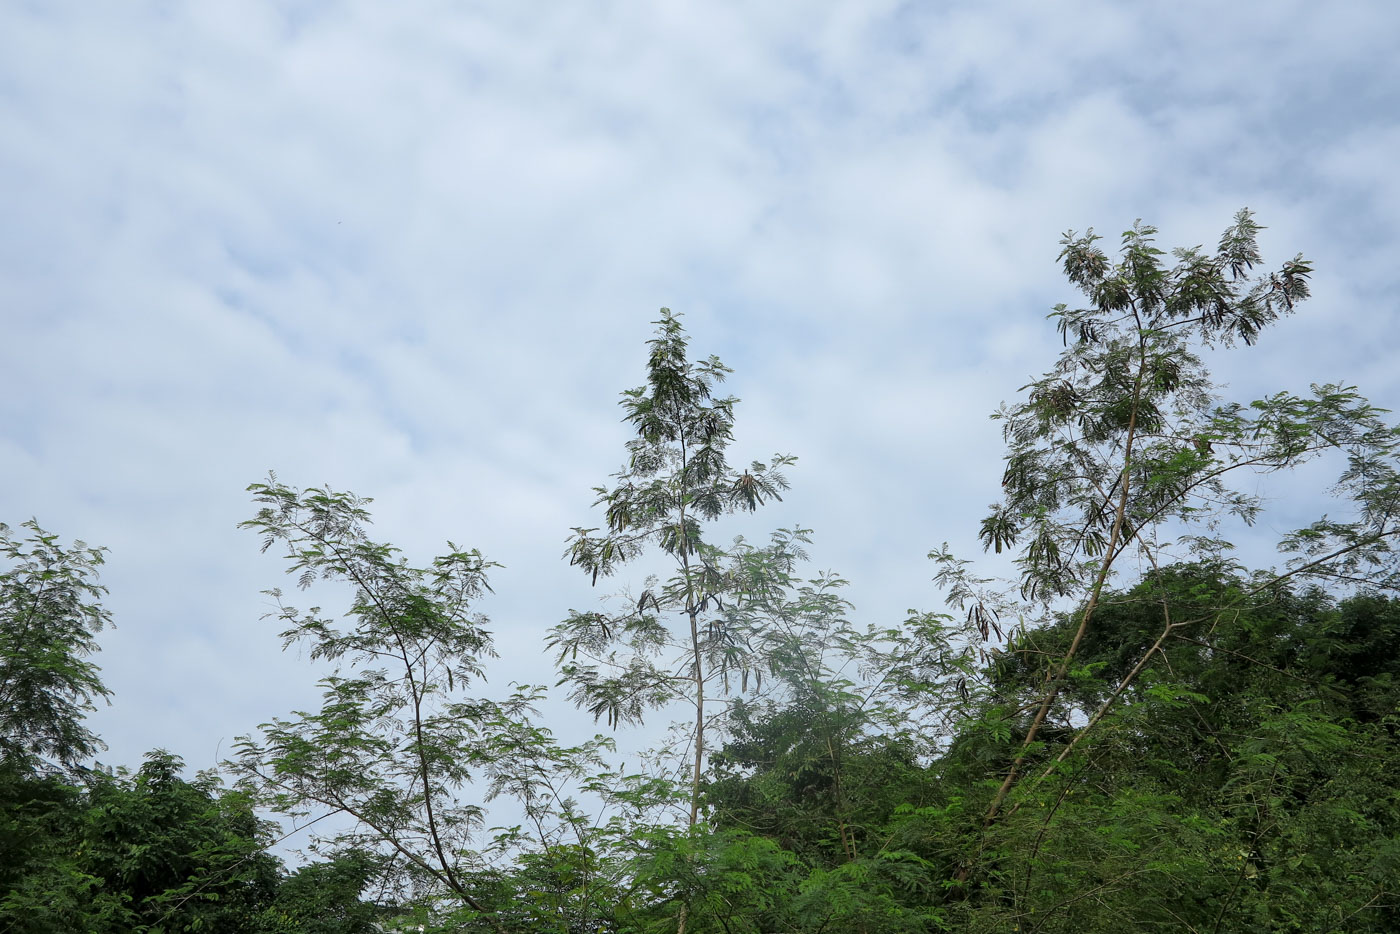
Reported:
(420, 615)
(1124, 433)
(49, 612)
(677, 480)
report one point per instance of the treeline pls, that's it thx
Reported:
(1138, 733)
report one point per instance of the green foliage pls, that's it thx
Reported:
(728, 881)
(1201, 750)
(325, 898)
(678, 473)
(677, 477)
(1125, 435)
(50, 611)
(397, 746)
(152, 852)
(1243, 783)
(1163, 757)
(393, 742)
(821, 761)
(1125, 431)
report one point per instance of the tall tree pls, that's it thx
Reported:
(396, 745)
(50, 611)
(1126, 436)
(677, 479)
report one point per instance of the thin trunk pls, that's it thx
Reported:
(699, 719)
(1054, 681)
(697, 670)
(847, 839)
(448, 874)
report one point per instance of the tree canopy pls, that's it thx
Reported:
(1137, 732)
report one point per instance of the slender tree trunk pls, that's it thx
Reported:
(1055, 679)
(698, 672)
(699, 675)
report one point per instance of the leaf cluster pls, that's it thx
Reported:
(50, 613)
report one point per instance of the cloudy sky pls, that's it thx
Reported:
(414, 249)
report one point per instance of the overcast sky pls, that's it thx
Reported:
(414, 249)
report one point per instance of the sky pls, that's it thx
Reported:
(414, 250)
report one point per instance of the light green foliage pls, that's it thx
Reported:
(50, 611)
(396, 744)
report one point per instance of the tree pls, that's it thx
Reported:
(396, 744)
(1125, 436)
(152, 851)
(1244, 781)
(822, 761)
(50, 611)
(677, 477)
(126, 852)
(325, 898)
